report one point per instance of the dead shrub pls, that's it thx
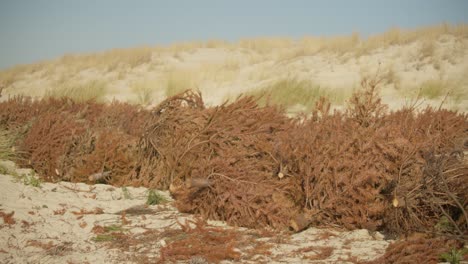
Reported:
(49, 141)
(212, 243)
(235, 148)
(252, 166)
(418, 250)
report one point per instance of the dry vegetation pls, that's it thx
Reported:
(397, 172)
(247, 162)
(247, 61)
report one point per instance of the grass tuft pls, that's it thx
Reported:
(7, 151)
(433, 89)
(103, 238)
(144, 92)
(290, 92)
(91, 90)
(455, 256)
(32, 180)
(113, 228)
(155, 198)
(177, 82)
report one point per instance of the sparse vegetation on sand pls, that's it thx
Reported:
(291, 92)
(6, 145)
(155, 198)
(251, 62)
(80, 92)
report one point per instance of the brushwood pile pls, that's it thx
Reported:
(367, 167)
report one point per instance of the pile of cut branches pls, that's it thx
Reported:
(252, 166)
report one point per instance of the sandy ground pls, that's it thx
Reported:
(58, 223)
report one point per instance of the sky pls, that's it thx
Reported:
(35, 30)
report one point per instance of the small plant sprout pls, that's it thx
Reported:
(155, 198)
(455, 255)
(31, 179)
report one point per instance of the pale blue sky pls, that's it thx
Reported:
(32, 30)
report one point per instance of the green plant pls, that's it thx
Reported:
(289, 92)
(433, 89)
(80, 92)
(113, 228)
(3, 169)
(155, 198)
(31, 179)
(126, 193)
(444, 225)
(455, 255)
(109, 233)
(103, 238)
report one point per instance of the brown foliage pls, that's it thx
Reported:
(65, 140)
(107, 151)
(418, 250)
(8, 217)
(212, 243)
(253, 166)
(49, 141)
(235, 147)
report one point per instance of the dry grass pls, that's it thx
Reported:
(145, 90)
(7, 151)
(253, 61)
(80, 92)
(178, 81)
(118, 59)
(433, 89)
(290, 92)
(397, 36)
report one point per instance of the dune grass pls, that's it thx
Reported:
(80, 92)
(433, 89)
(290, 92)
(155, 198)
(7, 151)
(144, 91)
(178, 81)
(119, 59)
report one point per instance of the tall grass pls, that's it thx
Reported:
(433, 89)
(178, 81)
(290, 92)
(121, 59)
(436, 89)
(80, 92)
(6, 145)
(144, 91)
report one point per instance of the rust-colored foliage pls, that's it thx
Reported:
(418, 250)
(65, 140)
(233, 146)
(212, 243)
(108, 151)
(49, 141)
(364, 168)
(252, 166)
(8, 217)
